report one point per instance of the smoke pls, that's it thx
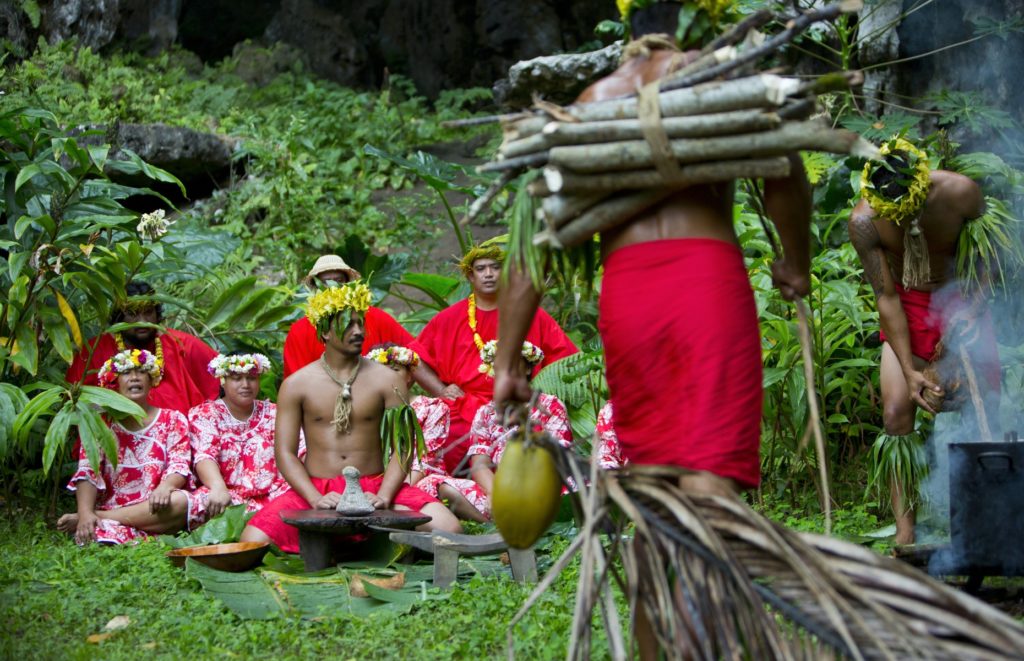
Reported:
(984, 349)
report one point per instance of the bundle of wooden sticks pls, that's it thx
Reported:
(713, 120)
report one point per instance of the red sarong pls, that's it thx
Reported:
(925, 327)
(928, 314)
(287, 537)
(683, 356)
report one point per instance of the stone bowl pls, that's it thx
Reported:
(238, 556)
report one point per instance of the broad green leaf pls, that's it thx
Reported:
(135, 165)
(7, 415)
(222, 308)
(438, 287)
(25, 175)
(103, 439)
(245, 593)
(89, 440)
(27, 352)
(222, 529)
(39, 405)
(57, 435)
(111, 400)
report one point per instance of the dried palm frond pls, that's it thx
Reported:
(721, 581)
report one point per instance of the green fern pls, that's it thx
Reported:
(816, 164)
(989, 248)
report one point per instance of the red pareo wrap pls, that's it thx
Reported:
(683, 355)
(286, 537)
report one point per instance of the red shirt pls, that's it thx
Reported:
(446, 344)
(185, 383)
(302, 346)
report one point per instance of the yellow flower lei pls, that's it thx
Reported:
(910, 203)
(159, 353)
(477, 340)
(330, 301)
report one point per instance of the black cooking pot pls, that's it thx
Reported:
(986, 506)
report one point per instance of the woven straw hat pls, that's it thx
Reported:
(329, 263)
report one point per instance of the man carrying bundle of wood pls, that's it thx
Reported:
(675, 287)
(677, 314)
(913, 229)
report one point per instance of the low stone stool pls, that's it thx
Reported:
(447, 547)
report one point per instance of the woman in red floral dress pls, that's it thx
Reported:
(233, 442)
(144, 494)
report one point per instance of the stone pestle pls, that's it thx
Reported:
(353, 501)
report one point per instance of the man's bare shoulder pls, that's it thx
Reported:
(953, 183)
(302, 378)
(862, 213)
(629, 77)
(380, 376)
(958, 192)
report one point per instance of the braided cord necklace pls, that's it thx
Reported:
(343, 404)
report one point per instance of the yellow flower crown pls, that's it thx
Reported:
(909, 204)
(715, 9)
(486, 251)
(328, 303)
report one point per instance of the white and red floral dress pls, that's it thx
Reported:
(243, 451)
(488, 437)
(144, 458)
(609, 451)
(434, 416)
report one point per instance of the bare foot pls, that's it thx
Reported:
(68, 523)
(903, 536)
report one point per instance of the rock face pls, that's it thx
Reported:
(557, 78)
(94, 22)
(439, 44)
(197, 159)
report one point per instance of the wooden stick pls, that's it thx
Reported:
(738, 32)
(804, 328)
(559, 209)
(567, 182)
(481, 202)
(972, 386)
(759, 91)
(636, 154)
(794, 28)
(607, 215)
(559, 133)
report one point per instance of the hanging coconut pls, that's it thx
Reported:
(526, 493)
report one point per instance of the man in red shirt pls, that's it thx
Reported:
(450, 345)
(185, 383)
(301, 346)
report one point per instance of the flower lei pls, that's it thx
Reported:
(531, 353)
(330, 302)
(477, 340)
(247, 363)
(159, 346)
(402, 356)
(908, 205)
(128, 360)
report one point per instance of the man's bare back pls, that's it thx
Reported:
(695, 212)
(952, 200)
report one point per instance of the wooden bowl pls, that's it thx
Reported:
(239, 556)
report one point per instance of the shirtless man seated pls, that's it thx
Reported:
(338, 402)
